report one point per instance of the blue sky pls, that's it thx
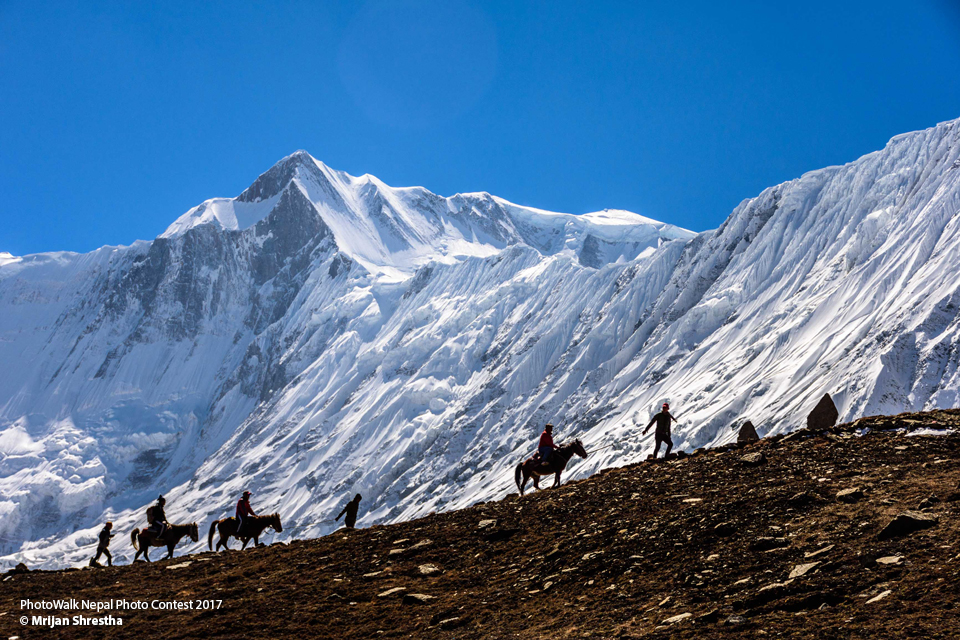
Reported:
(117, 118)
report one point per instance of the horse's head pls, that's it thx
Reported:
(275, 522)
(578, 448)
(194, 532)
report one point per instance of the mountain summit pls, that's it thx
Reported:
(401, 229)
(323, 335)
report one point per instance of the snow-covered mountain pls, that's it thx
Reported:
(322, 335)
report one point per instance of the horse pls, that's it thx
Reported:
(534, 468)
(143, 540)
(255, 526)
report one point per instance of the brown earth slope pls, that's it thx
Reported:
(725, 543)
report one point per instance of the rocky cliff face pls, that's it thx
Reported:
(323, 334)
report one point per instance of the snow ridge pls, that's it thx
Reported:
(323, 334)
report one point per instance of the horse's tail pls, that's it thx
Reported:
(213, 527)
(133, 538)
(517, 474)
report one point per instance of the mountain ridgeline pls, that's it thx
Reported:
(322, 335)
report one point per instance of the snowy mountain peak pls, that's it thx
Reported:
(394, 231)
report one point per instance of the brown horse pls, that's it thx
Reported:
(143, 540)
(534, 468)
(255, 526)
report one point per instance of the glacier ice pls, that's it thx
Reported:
(322, 335)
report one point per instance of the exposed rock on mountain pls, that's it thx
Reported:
(322, 335)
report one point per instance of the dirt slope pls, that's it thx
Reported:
(615, 556)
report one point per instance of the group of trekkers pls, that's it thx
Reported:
(551, 459)
(546, 447)
(244, 529)
(542, 463)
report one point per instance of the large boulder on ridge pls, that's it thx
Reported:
(747, 433)
(824, 415)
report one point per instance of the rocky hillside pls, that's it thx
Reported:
(849, 532)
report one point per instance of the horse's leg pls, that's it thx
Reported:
(256, 540)
(556, 482)
(536, 481)
(524, 483)
(170, 550)
(146, 552)
(245, 541)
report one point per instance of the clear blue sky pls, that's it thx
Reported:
(117, 118)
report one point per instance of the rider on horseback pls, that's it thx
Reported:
(243, 510)
(546, 446)
(157, 518)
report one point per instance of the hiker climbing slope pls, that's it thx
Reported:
(662, 433)
(102, 548)
(351, 510)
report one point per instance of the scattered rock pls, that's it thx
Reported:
(180, 565)
(429, 569)
(890, 560)
(850, 495)
(767, 543)
(390, 592)
(928, 503)
(678, 618)
(819, 552)
(709, 617)
(906, 523)
(724, 529)
(486, 523)
(802, 569)
(665, 601)
(802, 499)
(418, 598)
(420, 545)
(754, 459)
(500, 535)
(371, 576)
(955, 495)
(20, 568)
(824, 415)
(747, 433)
(735, 621)
(877, 598)
(450, 623)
